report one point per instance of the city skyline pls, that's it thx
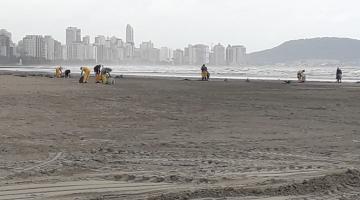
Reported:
(257, 24)
(45, 49)
(78, 35)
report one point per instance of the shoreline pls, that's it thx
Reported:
(77, 75)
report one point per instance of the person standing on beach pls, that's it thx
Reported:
(338, 75)
(204, 73)
(58, 72)
(85, 72)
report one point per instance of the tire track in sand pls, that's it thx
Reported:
(46, 191)
(42, 164)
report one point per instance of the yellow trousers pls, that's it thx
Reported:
(98, 78)
(58, 73)
(104, 78)
(204, 75)
(86, 77)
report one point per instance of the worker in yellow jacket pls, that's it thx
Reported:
(85, 71)
(58, 72)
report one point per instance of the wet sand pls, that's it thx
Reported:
(166, 139)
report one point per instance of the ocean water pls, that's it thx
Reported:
(321, 73)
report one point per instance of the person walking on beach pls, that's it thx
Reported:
(338, 75)
(204, 73)
(97, 70)
(301, 76)
(58, 72)
(85, 73)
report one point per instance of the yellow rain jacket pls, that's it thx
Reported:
(58, 72)
(86, 73)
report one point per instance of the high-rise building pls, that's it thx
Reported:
(198, 54)
(146, 45)
(116, 42)
(89, 52)
(116, 46)
(6, 45)
(145, 51)
(58, 51)
(178, 57)
(165, 54)
(34, 46)
(5, 32)
(229, 55)
(73, 41)
(108, 43)
(235, 55)
(129, 51)
(53, 49)
(49, 48)
(73, 34)
(154, 55)
(186, 59)
(219, 55)
(130, 34)
(77, 52)
(130, 45)
(100, 40)
(64, 52)
(101, 51)
(86, 40)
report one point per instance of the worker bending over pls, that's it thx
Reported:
(85, 72)
(58, 72)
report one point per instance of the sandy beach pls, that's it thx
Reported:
(164, 139)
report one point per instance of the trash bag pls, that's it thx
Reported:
(106, 70)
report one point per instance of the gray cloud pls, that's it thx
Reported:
(258, 24)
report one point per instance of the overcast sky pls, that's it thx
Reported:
(257, 24)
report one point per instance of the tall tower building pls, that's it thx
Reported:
(5, 42)
(86, 40)
(178, 57)
(235, 55)
(34, 46)
(145, 50)
(5, 32)
(199, 54)
(100, 40)
(49, 48)
(73, 35)
(219, 55)
(165, 54)
(129, 34)
(73, 38)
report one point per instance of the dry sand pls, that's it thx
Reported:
(178, 139)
